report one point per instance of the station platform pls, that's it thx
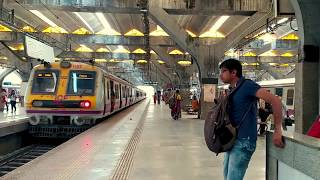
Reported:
(13, 122)
(8, 116)
(141, 142)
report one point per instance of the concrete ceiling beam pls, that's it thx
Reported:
(92, 39)
(177, 33)
(256, 21)
(270, 70)
(14, 60)
(128, 8)
(168, 59)
(102, 55)
(163, 71)
(5, 73)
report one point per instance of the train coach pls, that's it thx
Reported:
(63, 96)
(284, 88)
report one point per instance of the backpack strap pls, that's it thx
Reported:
(238, 87)
(245, 114)
(232, 93)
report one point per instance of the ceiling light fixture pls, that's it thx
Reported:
(107, 28)
(213, 31)
(84, 21)
(43, 17)
(158, 32)
(219, 23)
(282, 20)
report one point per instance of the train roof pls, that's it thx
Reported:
(278, 82)
(268, 83)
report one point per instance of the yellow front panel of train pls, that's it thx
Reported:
(62, 88)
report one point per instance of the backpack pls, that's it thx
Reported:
(219, 133)
(172, 102)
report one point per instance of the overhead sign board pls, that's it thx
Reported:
(38, 50)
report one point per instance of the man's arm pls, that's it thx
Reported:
(262, 93)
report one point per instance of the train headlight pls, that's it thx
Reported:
(65, 64)
(37, 103)
(85, 104)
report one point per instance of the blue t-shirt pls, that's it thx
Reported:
(240, 102)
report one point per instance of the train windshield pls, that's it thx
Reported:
(81, 83)
(45, 81)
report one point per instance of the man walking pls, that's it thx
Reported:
(237, 159)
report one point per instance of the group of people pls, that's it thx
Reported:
(157, 97)
(5, 98)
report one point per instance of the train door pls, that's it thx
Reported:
(120, 88)
(127, 94)
(113, 96)
(130, 95)
(107, 95)
(104, 95)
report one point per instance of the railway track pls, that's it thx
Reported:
(22, 156)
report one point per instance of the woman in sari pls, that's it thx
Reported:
(176, 110)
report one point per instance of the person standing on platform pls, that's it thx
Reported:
(264, 111)
(155, 98)
(13, 101)
(195, 104)
(159, 96)
(237, 159)
(4, 99)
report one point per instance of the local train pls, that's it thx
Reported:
(75, 94)
(284, 88)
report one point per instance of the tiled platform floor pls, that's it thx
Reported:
(8, 116)
(176, 150)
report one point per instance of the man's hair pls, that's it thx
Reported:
(232, 64)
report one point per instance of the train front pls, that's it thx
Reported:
(62, 95)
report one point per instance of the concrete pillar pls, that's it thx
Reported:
(208, 77)
(307, 86)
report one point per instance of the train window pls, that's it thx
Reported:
(116, 87)
(279, 91)
(81, 83)
(45, 81)
(123, 91)
(290, 95)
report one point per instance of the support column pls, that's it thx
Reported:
(208, 78)
(307, 88)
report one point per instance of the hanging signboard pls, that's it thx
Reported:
(38, 50)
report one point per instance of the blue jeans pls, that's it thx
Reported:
(237, 159)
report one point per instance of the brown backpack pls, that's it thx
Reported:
(219, 133)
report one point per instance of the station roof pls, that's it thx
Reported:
(114, 34)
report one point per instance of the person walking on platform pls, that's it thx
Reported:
(176, 108)
(244, 100)
(13, 101)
